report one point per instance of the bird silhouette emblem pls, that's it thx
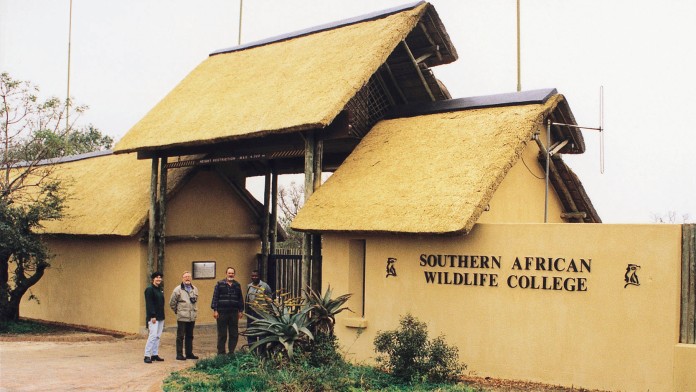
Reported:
(631, 277)
(391, 270)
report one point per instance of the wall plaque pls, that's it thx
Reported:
(203, 269)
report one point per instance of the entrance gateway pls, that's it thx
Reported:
(375, 209)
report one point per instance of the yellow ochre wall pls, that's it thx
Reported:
(609, 337)
(95, 282)
(99, 281)
(241, 255)
(209, 207)
(520, 196)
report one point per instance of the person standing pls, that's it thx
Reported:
(228, 308)
(184, 304)
(256, 288)
(154, 314)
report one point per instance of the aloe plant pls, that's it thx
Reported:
(323, 309)
(280, 323)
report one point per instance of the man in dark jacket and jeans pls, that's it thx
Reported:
(228, 308)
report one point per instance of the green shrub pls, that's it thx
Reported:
(248, 372)
(22, 327)
(324, 350)
(408, 355)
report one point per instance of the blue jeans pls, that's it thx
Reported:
(153, 338)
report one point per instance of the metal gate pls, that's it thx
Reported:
(284, 271)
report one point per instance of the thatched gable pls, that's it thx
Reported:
(431, 174)
(290, 84)
(109, 194)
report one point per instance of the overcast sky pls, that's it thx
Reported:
(127, 54)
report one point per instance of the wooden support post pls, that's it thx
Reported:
(152, 220)
(274, 209)
(162, 213)
(687, 332)
(309, 187)
(316, 238)
(266, 225)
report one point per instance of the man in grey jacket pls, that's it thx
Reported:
(184, 302)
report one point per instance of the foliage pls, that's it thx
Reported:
(323, 310)
(408, 355)
(24, 327)
(323, 349)
(290, 321)
(32, 131)
(282, 324)
(247, 372)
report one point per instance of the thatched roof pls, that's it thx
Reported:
(296, 83)
(109, 194)
(430, 174)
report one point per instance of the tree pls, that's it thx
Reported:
(32, 131)
(290, 200)
(670, 217)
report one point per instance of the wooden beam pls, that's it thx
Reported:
(574, 215)
(418, 70)
(316, 238)
(309, 187)
(274, 209)
(162, 212)
(266, 224)
(151, 244)
(240, 192)
(687, 330)
(394, 82)
(193, 237)
(560, 185)
(383, 84)
(436, 48)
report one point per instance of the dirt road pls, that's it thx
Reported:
(89, 362)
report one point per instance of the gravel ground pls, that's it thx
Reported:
(91, 362)
(81, 361)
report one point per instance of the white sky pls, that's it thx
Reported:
(127, 54)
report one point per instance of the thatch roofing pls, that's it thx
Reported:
(109, 194)
(429, 174)
(295, 83)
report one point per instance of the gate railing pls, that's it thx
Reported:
(285, 270)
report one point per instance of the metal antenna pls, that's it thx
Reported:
(600, 128)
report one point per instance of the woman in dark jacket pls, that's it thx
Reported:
(154, 314)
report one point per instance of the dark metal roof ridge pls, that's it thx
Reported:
(65, 159)
(327, 26)
(484, 101)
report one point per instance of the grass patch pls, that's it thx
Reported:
(247, 372)
(25, 327)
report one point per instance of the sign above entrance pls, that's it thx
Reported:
(251, 156)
